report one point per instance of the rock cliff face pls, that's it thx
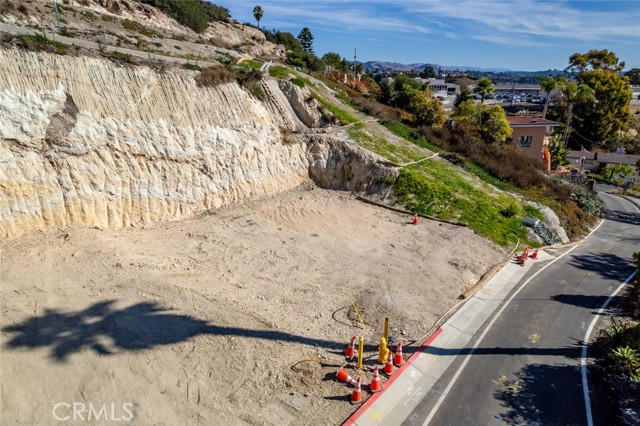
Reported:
(86, 141)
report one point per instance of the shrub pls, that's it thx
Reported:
(107, 18)
(297, 81)
(138, 27)
(214, 76)
(626, 361)
(114, 54)
(278, 71)
(90, 15)
(192, 67)
(40, 42)
(195, 14)
(250, 78)
(67, 32)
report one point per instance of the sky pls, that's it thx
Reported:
(523, 35)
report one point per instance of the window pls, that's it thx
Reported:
(525, 141)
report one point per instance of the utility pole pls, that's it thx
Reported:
(354, 64)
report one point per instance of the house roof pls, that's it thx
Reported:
(517, 121)
(607, 157)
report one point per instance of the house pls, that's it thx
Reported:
(531, 134)
(592, 161)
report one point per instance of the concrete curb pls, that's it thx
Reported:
(352, 419)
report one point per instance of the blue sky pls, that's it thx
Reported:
(519, 34)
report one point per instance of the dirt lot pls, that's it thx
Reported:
(233, 318)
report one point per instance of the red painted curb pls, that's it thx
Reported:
(351, 420)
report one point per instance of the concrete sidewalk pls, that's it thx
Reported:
(408, 386)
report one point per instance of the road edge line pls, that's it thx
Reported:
(585, 347)
(587, 336)
(486, 330)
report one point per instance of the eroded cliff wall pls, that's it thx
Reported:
(87, 141)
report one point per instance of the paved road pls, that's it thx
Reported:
(93, 45)
(526, 368)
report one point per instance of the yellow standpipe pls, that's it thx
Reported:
(360, 352)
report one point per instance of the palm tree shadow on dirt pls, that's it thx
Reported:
(108, 330)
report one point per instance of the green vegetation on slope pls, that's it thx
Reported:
(397, 154)
(436, 188)
(40, 42)
(195, 14)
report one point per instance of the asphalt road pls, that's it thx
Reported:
(526, 365)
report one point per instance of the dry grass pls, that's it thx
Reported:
(214, 76)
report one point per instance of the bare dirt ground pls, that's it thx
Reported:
(238, 317)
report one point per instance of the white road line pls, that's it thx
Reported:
(484, 333)
(585, 342)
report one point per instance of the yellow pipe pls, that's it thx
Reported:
(360, 352)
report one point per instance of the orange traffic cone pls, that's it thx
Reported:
(343, 376)
(398, 360)
(356, 395)
(388, 368)
(526, 253)
(351, 349)
(375, 385)
(534, 255)
(415, 219)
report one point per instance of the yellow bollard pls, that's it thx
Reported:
(383, 351)
(385, 334)
(360, 352)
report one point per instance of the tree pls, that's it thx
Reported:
(404, 88)
(572, 93)
(489, 120)
(333, 60)
(634, 76)
(549, 84)
(595, 60)
(306, 40)
(464, 95)
(428, 72)
(598, 119)
(558, 152)
(258, 13)
(483, 88)
(428, 111)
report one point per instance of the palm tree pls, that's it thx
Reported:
(549, 84)
(573, 92)
(258, 13)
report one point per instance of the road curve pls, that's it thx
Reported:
(526, 365)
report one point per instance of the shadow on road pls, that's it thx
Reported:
(581, 300)
(549, 395)
(624, 217)
(607, 265)
(107, 330)
(570, 352)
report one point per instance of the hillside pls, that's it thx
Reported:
(190, 242)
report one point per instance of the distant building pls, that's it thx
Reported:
(531, 134)
(518, 89)
(438, 85)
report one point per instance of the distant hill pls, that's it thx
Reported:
(395, 66)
